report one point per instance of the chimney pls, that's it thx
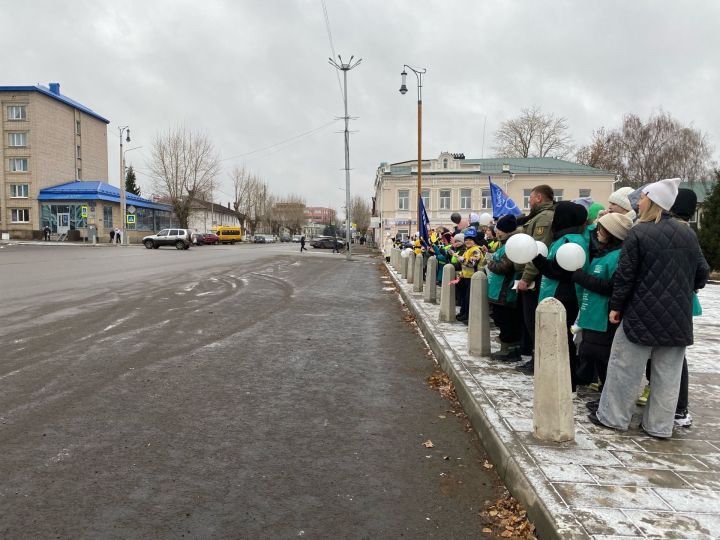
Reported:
(54, 88)
(229, 206)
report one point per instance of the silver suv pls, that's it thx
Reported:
(180, 238)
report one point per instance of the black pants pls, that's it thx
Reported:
(508, 319)
(529, 302)
(302, 247)
(462, 292)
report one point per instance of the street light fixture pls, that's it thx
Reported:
(123, 211)
(419, 72)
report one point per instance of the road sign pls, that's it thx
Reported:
(131, 209)
(130, 219)
(83, 211)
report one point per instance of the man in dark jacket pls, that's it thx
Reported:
(660, 268)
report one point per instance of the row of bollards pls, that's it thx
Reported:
(553, 418)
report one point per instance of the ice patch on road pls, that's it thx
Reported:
(64, 453)
(116, 323)
(191, 286)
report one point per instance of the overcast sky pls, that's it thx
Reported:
(254, 73)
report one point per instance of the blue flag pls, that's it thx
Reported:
(501, 203)
(424, 222)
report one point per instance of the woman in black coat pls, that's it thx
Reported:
(660, 268)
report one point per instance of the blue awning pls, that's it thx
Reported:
(96, 191)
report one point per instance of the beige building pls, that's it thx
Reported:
(48, 139)
(205, 216)
(452, 183)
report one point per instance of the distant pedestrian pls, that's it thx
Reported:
(118, 236)
(302, 244)
(46, 233)
(112, 235)
(335, 245)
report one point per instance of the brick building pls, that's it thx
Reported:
(48, 139)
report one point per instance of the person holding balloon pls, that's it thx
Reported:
(567, 253)
(597, 287)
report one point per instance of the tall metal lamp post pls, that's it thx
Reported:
(123, 211)
(419, 72)
(345, 67)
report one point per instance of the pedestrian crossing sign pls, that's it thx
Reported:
(83, 211)
(131, 219)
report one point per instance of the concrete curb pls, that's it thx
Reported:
(503, 456)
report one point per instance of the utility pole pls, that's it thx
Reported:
(345, 67)
(123, 211)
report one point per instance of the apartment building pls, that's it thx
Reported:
(48, 139)
(320, 215)
(452, 183)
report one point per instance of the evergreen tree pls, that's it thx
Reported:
(130, 184)
(709, 231)
(330, 230)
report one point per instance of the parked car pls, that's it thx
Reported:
(327, 242)
(296, 238)
(180, 238)
(211, 238)
(259, 239)
(198, 239)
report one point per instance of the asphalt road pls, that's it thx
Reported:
(221, 392)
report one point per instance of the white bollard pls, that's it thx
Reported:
(479, 316)
(410, 273)
(447, 295)
(393, 262)
(430, 289)
(552, 401)
(418, 274)
(403, 267)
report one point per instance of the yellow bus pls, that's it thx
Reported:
(229, 235)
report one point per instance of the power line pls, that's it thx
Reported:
(332, 46)
(300, 136)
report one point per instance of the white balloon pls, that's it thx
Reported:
(405, 253)
(521, 248)
(570, 257)
(485, 219)
(542, 248)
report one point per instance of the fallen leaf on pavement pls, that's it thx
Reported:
(428, 444)
(487, 464)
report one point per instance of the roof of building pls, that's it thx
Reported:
(213, 206)
(516, 166)
(50, 92)
(95, 190)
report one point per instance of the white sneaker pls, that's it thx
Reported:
(683, 419)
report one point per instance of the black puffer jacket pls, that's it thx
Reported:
(660, 266)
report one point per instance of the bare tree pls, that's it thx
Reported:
(533, 134)
(360, 214)
(289, 212)
(183, 164)
(250, 198)
(641, 152)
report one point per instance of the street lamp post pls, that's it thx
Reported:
(345, 67)
(123, 211)
(419, 72)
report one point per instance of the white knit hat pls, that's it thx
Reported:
(620, 197)
(616, 224)
(459, 237)
(663, 192)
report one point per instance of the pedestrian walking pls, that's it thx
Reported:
(336, 247)
(112, 235)
(660, 267)
(118, 236)
(46, 233)
(302, 244)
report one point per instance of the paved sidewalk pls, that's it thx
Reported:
(604, 484)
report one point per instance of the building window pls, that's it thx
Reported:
(78, 155)
(526, 198)
(17, 112)
(20, 215)
(77, 127)
(18, 165)
(107, 217)
(465, 199)
(404, 199)
(19, 191)
(426, 198)
(78, 174)
(445, 163)
(444, 199)
(404, 233)
(585, 193)
(17, 139)
(485, 200)
(558, 195)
